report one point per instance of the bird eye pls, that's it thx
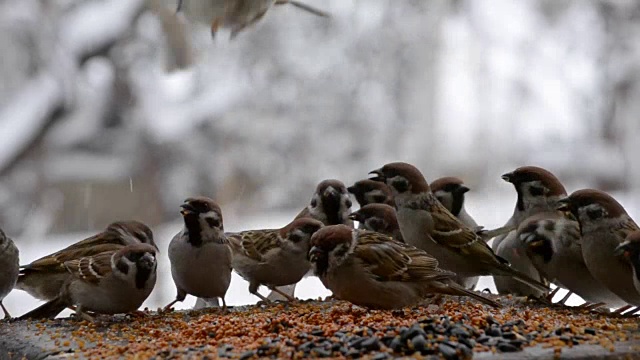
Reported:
(401, 185)
(348, 203)
(214, 223)
(594, 213)
(379, 198)
(536, 191)
(314, 202)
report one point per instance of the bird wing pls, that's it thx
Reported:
(91, 268)
(389, 260)
(254, 244)
(449, 232)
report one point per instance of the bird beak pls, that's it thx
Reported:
(563, 205)
(379, 176)
(622, 249)
(352, 189)
(314, 253)
(354, 216)
(187, 209)
(463, 189)
(507, 177)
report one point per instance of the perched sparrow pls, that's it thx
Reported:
(235, 14)
(44, 277)
(111, 282)
(200, 255)
(450, 192)
(368, 191)
(9, 267)
(631, 250)
(273, 257)
(604, 225)
(373, 270)
(379, 218)
(552, 242)
(330, 205)
(538, 191)
(428, 225)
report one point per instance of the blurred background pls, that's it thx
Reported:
(119, 109)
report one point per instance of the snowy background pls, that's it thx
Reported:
(117, 109)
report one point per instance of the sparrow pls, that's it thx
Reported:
(428, 225)
(115, 281)
(450, 192)
(552, 242)
(372, 270)
(43, 278)
(9, 268)
(604, 226)
(200, 255)
(538, 191)
(273, 257)
(630, 249)
(379, 218)
(235, 14)
(330, 204)
(371, 192)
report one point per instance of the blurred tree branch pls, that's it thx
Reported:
(88, 29)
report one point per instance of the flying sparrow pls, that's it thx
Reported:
(604, 225)
(379, 218)
(200, 255)
(111, 282)
(273, 257)
(9, 267)
(428, 225)
(43, 278)
(538, 191)
(552, 242)
(234, 14)
(373, 270)
(368, 191)
(630, 249)
(330, 204)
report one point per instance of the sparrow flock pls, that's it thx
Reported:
(415, 241)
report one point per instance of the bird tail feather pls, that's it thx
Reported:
(48, 310)
(459, 290)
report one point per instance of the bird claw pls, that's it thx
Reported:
(139, 314)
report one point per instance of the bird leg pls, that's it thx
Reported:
(224, 306)
(168, 307)
(138, 314)
(302, 6)
(253, 289)
(622, 309)
(83, 315)
(549, 297)
(284, 294)
(7, 316)
(565, 298)
(591, 306)
(215, 26)
(631, 313)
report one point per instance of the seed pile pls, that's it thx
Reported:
(333, 329)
